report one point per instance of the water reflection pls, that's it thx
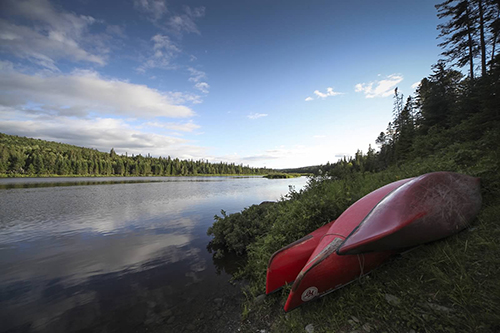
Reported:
(121, 257)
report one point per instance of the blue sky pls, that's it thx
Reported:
(265, 83)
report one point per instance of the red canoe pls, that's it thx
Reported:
(325, 270)
(371, 221)
(286, 264)
(428, 208)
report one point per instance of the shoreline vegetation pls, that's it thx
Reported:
(451, 285)
(284, 175)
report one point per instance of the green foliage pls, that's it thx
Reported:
(24, 157)
(452, 124)
(282, 175)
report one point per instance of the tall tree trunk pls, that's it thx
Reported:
(495, 37)
(483, 42)
(469, 35)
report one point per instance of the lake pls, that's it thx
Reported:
(120, 254)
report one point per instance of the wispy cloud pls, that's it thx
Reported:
(381, 88)
(52, 35)
(186, 22)
(181, 127)
(198, 77)
(202, 86)
(83, 92)
(163, 52)
(415, 85)
(154, 9)
(329, 93)
(256, 115)
(102, 134)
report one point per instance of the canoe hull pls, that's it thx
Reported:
(286, 263)
(428, 208)
(325, 270)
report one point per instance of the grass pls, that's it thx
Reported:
(451, 285)
(447, 286)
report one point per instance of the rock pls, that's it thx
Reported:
(151, 304)
(218, 301)
(392, 300)
(260, 299)
(309, 328)
(190, 327)
(440, 308)
(218, 313)
(171, 320)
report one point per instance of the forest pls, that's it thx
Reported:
(25, 157)
(451, 123)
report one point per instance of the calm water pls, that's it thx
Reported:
(124, 255)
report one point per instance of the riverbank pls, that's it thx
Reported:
(284, 175)
(122, 176)
(450, 285)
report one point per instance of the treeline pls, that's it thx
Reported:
(448, 108)
(20, 156)
(451, 124)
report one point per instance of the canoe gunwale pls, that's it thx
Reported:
(297, 242)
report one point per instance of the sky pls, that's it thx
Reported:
(280, 84)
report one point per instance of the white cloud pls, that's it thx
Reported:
(53, 35)
(182, 127)
(309, 99)
(329, 93)
(155, 9)
(182, 97)
(415, 85)
(163, 52)
(83, 92)
(102, 134)
(196, 75)
(116, 30)
(381, 88)
(186, 22)
(202, 86)
(257, 115)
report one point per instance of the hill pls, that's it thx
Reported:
(25, 157)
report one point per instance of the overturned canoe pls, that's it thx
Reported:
(286, 263)
(428, 208)
(399, 215)
(325, 270)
